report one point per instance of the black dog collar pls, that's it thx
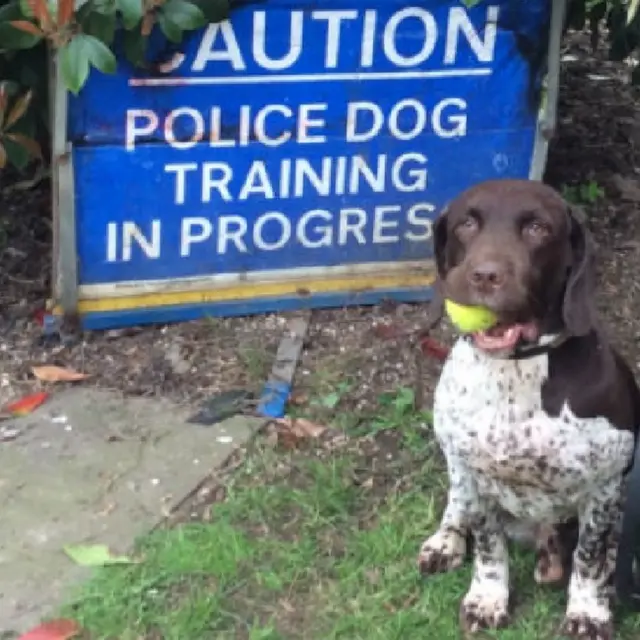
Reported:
(524, 351)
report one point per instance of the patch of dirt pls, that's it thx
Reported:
(598, 137)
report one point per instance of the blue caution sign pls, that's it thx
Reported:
(296, 156)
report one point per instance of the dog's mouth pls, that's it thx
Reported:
(504, 337)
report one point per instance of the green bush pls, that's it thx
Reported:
(80, 34)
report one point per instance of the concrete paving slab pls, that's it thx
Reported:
(91, 467)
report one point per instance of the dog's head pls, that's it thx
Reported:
(516, 247)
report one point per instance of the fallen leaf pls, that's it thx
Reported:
(38, 316)
(292, 430)
(368, 483)
(109, 508)
(433, 348)
(51, 373)
(26, 405)
(288, 440)
(53, 630)
(287, 606)
(94, 555)
(307, 429)
(298, 399)
(387, 331)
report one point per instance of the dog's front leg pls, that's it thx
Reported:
(588, 612)
(486, 605)
(446, 549)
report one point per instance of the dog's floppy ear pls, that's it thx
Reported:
(578, 307)
(436, 309)
(440, 243)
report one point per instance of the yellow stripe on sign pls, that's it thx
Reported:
(250, 291)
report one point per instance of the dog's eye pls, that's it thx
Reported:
(469, 223)
(467, 227)
(536, 229)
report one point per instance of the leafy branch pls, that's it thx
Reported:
(81, 32)
(12, 113)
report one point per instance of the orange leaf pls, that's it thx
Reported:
(433, 348)
(3, 156)
(26, 26)
(307, 429)
(65, 12)
(292, 430)
(26, 405)
(19, 109)
(40, 10)
(387, 331)
(53, 630)
(287, 440)
(298, 399)
(51, 373)
(28, 143)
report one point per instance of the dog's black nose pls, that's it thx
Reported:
(487, 275)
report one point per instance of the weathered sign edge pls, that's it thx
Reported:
(547, 118)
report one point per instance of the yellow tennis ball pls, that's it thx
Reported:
(470, 319)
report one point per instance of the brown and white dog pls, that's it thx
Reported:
(537, 417)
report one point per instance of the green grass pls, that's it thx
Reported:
(588, 193)
(308, 547)
(257, 360)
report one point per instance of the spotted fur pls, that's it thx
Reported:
(509, 461)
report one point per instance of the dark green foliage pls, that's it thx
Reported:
(80, 34)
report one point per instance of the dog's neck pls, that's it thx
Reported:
(542, 346)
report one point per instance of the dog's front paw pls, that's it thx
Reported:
(587, 628)
(484, 609)
(588, 615)
(443, 551)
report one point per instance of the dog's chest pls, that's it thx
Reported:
(488, 413)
